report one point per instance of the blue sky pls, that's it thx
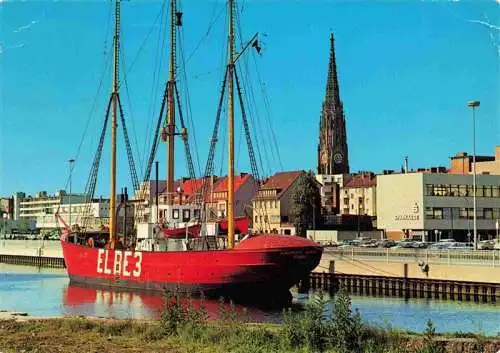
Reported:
(406, 71)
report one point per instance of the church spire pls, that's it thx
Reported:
(332, 147)
(332, 84)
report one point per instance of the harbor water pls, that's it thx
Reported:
(47, 293)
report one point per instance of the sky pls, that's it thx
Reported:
(406, 71)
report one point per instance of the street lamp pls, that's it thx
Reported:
(474, 105)
(71, 164)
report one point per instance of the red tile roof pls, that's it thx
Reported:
(281, 181)
(361, 181)
(239, 180)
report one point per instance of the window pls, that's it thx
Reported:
(454, 190)
(495, 191)
(433, 213)
(488, 213)
(466, 213)
(487, 191)
(175, 213)
(256, 219)
(462, 190)
(196, 214)
(284, 219)
(479, 191)
(429, 190)
(186, 214)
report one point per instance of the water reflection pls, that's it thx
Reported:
(96, 301)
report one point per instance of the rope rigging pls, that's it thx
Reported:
(158, 61)
(185, 137)
(130, 156)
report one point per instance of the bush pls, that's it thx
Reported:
(308, 328)
(345, 326)
(430, 343)
(179, 313)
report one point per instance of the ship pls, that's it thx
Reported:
(258, 265)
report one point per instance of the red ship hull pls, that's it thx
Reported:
(259, 264)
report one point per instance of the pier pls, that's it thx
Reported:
(404, 287)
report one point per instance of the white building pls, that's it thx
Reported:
(358, 195)
(330, 191)
(437, 206)
(42, 209)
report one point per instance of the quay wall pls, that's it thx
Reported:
(43, 248)
(474, 272)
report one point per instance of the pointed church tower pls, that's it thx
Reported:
(332, 147)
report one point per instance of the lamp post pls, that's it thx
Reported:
(474, 105)
(71, 163)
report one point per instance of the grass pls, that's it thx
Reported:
(182, 329)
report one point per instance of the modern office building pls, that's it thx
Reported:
(437, 206)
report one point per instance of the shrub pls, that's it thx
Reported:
(430, 343)
(179, 313)
(308, 328)
(345, 326)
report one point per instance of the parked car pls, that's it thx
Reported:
(386, 243)
(486, 245)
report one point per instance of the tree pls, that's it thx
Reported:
(305, 203)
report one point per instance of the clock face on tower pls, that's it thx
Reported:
(338, 158)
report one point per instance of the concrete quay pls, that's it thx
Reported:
(41, 248)
(449, 267)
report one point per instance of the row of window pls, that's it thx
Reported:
(186, 214)
(461, 213)
(265, 204)
(462, 190)
(271, 219)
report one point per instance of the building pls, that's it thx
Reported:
(332, 147)
(330, 192)
(184, 208)
(245, 187)
(272, 205)
(462, 163)
(7, 207)
(42, 209)
(436, 206)
(359, 195)
(186, 202)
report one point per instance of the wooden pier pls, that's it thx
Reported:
(403, 287)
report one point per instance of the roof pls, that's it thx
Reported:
(361, 181)
(189, 186)
(239, 180)
(281, 182)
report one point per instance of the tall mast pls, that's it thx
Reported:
(171, 106)
(114, 98)
(230, 131)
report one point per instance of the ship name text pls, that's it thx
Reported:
(123, 263)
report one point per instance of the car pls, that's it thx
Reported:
(386, 243)
(485, 245)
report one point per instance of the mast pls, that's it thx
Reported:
(114, 101)
(171, 106)
(230, 131)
